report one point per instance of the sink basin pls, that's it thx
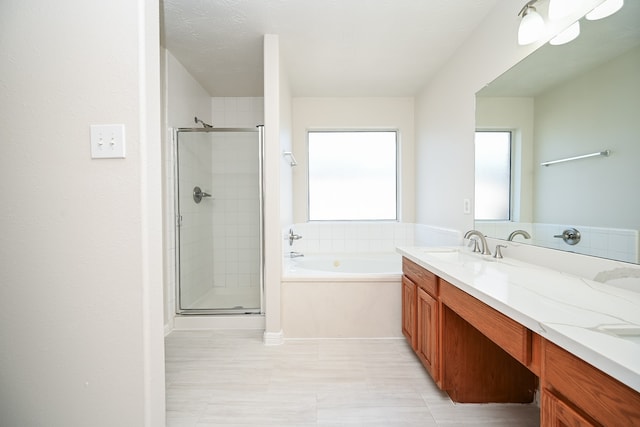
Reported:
(439, 250)
(452, 255)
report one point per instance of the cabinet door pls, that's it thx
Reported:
(409, 311)
(556, 413)
(427, 332)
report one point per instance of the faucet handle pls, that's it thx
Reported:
(293, 236)
(498, 254)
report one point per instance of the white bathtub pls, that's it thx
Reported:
(342, 296)
(358, 266)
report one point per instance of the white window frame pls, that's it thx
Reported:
(397, 175)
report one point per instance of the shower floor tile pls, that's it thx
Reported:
(229, 378)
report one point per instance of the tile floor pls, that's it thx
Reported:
(229, 378)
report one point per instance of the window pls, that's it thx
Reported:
(352, 175)
(493, 175)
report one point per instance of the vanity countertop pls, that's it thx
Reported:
(597, 322)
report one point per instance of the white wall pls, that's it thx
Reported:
(277, 173)
(353, 113)
(445, 114)
(272, 174)
(186, 98)
(286, 145)
(81, 294)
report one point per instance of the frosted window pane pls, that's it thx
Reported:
(493, 175)
(352, 175)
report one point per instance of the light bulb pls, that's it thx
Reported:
(531, 27)
(567, 35)
(559, 9)
(609, 7)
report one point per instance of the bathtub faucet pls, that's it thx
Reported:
(293, 254)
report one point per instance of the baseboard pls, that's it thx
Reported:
(273, 338)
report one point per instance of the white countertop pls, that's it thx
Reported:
(597, 322)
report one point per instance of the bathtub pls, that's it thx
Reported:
(360, 266)
(342, 296)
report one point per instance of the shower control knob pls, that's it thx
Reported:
(293, 236)
(198, 194)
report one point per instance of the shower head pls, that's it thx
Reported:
(205, 125)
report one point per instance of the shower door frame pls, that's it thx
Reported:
(177, 220)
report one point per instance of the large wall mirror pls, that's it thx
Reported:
(563, 102)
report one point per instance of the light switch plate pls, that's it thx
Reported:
(107, 142)
(466, 206)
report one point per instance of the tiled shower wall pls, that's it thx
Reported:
(236, 207)
(235, 184)
(611, 243)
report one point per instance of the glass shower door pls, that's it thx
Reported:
(219, 221)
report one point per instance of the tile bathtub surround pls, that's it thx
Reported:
(229, 378)
(338, 237)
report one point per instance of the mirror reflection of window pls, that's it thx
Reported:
(493, 175)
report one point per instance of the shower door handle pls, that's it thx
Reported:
(198, 194)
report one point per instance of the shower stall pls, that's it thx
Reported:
(219, 220)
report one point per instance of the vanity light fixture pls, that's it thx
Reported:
(532, 25)
(567, 35)
(607, 8)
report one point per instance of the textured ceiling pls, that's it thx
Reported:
(328, 47)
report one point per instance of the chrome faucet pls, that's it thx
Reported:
(293, 236)
(485, 247)
(518, 232)
(293, 254)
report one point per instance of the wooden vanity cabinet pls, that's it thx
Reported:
(508, 334)
(582, 393)
(484, 353)
(409, 311)
(425, 339)
(477, 354)
(427, 333)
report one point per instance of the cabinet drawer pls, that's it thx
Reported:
(514, 338)
(421, 277)
(556, 412)
(600, 396)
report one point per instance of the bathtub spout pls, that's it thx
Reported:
(295, 254)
